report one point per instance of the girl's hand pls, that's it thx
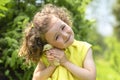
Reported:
(50, 56)
(59, 55)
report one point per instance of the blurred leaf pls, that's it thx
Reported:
(7, 72)
(3, 7)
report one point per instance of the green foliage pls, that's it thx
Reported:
(108, 64)
(116, 11)
(105, 71)
(106, 51)
(3, 7)
(112, 53)
(15, 20)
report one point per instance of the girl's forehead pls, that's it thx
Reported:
(54, 27)
(54, 20)
(54, 23)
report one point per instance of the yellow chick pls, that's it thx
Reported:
(47, 47)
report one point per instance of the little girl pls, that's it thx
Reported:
(52, 26)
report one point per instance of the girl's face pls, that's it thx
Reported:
(59, 33)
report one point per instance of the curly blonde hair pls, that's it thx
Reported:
(34, 40)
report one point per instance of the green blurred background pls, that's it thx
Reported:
(94, 21)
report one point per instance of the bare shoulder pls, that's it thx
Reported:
(89, 63)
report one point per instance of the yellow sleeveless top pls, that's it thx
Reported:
(75, 53)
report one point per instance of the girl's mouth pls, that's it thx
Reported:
(67, 39)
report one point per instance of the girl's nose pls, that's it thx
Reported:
(64, 35)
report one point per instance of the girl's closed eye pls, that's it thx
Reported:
(63, 27)
(56, 38)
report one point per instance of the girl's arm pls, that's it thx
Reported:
(86, 73)
(41, 72)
